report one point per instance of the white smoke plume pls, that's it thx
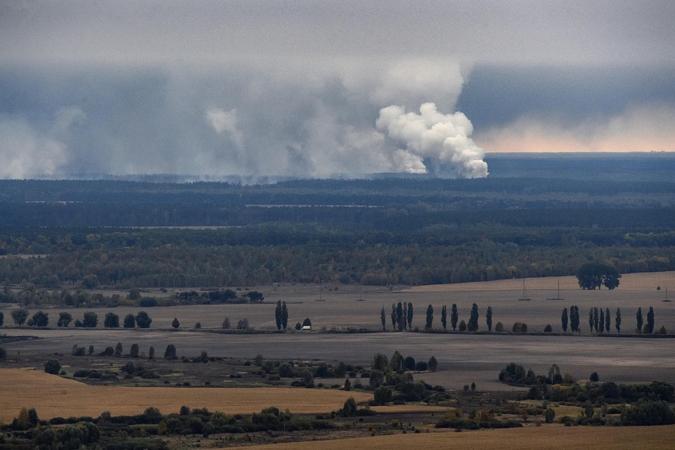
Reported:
(431, 134)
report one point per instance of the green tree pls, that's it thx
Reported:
(638, 319)
(170, 352)
(608, 320)
(111, 320)
(596, 318)
(430, 318)
(91, 350)
(409, 363)
(649, 326)
(376, 379)
(118, 349)
(590, 319)
(394, 317)
(53, 366)
(444, 317)
(602, 321)
(19, 316)
(349, 409)
(473, 318)
(151, 353)
(433, 364)
(284, 315)
(175, 324)
(396, 363)
(90, 320)
(383, 319)
(2, 318)
(382, 395)
(380, 362)
(400, 320)
(143, 319)
(617, 321)
(564, 320)
(488, 318)
(462, 326)
(129, 321)
(410, 315)
(594, 275)
(64, 319)
(277, 315)
(454, 316)
(134, 351)
(40, 319)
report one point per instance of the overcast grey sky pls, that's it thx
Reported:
(315, 88)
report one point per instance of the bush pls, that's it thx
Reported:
(648, 413)
(462, 326)
(170, 352)
(175, 323)
(421, 366)
(519, 327)
(383, 395)
(499, 327)
(662, 330)
(78, 351)
(53, 366)
(3, 354)
(595, 377)
(548, 329)
(134, 351)
(433, 364)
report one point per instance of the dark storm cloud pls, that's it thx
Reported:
(317, 88)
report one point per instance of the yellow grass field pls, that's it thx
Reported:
(628, 282)
(530, 438)
(53, 396)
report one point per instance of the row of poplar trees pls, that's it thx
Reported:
(402, 317)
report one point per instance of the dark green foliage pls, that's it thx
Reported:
(40, 319)
(134, 351)
(383, 395)
(90, 320)
(3, 354)
(488, 318)
(462, 326)
(151, 353)
(649, 326)
(513, 373)
(594, 275)
(638, 320)
(421, 366)
(143, 320)
(519, 327)
(564, 320)
(648, 413)
(64, 319)
(575, 321)
(129, 321)
(175, 323)
(170, 352)
(376, 379)
(349, 408)
(444, 317)
(2, 318)
(409, 315)
(91, 350)
(284, 315)
(454, 316)
(549, 416)
(111, 320)
(548, 329)
(109, 351)
(595, 319)
(53, 366)
(430, 318)
(77, 350)
(473, 319)
(602, 321)
(617, 321)
(119, 349)
(19, 316)
(608, 321)
(383, 319)
(148, 302)
(595, 377)
(433, 364)
(90, 282)
(380, 362)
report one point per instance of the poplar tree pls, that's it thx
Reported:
(638, 319)
(430, 317)
(454, 317)
(617, 321)
(444, 317)
(564, 320)
(488, 318)
(410, 315)
(383, 319)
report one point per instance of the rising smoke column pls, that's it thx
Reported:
(430, 134)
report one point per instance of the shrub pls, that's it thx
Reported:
(433, 364)
(550, 415)
(519, 327)
(198, 326)
(648, 413)
(383, 395)
(462, 326)
(595, 377)
(499, 327)
(134, 351)
(170, 352)
(421, 366)
(109, 351)
(226, 324)
(548, 329)
(53, 366)
(349, 408)
(151, 353)
(662, 330)
(3, 354)
(175, 323)
(78, 351)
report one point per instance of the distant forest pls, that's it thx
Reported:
(391, 230)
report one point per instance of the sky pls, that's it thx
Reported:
(323, 88)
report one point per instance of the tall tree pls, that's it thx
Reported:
(111, 320)
(277, 315)
(400, 321)
(602, 321)
(410, 315)
(590, 319)
(430, 317)
(473, 318)
(488, 318)
(594, 275)
(650, 321)
(129, 321)
(284, 315)
(617, 321)
(454, 317)
(596, 318)
(444, 317)
(394, 320)
(564, 320)
(405, 316)
(383, 319)
(19, 316)
(40, 319)
(143, 320)
(608, 321)
(64, 319)
(638, 319)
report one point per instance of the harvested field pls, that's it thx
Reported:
(549, 437)
(629, 282)
(53, 396)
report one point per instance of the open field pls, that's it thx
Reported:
(53, 396)
(549, 437)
